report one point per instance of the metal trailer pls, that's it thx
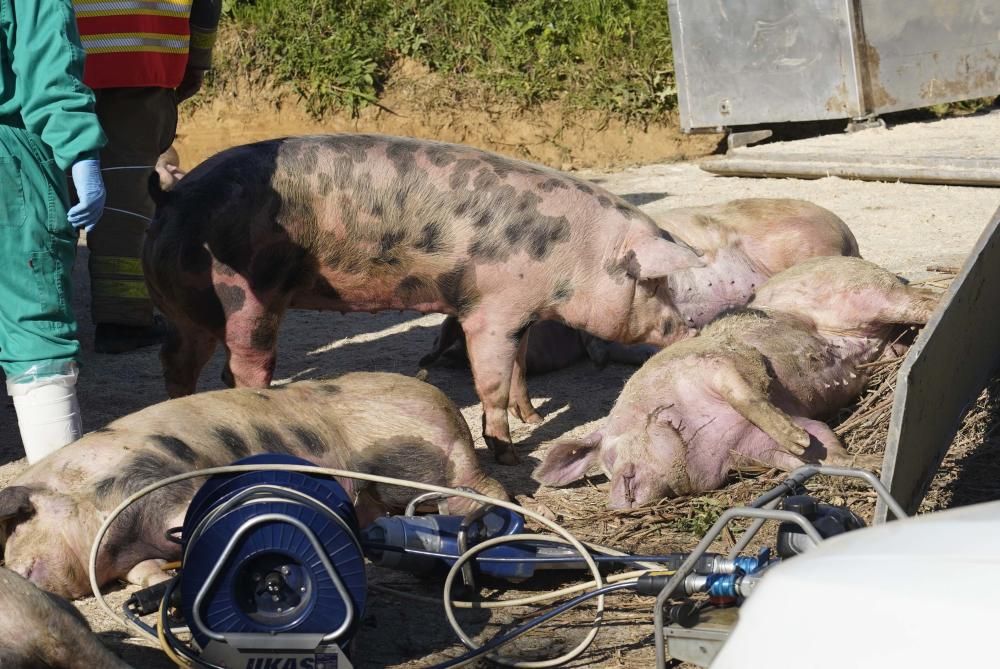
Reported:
(749, 62)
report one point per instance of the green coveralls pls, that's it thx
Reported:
(47, 123)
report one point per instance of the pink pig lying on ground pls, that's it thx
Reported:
(38, 629)
(750, 386)
(386, 424)
(368, 223)
(741, 240)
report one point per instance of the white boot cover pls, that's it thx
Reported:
(48, 414)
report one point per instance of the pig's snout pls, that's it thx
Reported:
(628, 481)
(31, 569)
(625, 488)
(48, 564)
(39, 573)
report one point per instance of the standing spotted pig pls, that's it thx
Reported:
(368, 223)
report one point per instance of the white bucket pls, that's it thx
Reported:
(48, 414)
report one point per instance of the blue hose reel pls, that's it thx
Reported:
(268, 555)
(273, 566)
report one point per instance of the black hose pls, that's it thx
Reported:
(672, 560)
(496, 642)
(176, 644)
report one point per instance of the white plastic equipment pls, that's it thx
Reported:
(915, 593)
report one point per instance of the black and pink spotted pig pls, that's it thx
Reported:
(367, 223)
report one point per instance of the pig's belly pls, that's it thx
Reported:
(830, 379)
(369, 294)
(372, 304)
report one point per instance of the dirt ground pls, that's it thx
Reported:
(901, 226)
(417, 105)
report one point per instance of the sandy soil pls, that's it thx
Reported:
(416, 104)
(903, 227)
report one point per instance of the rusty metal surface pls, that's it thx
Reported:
(741, 62)
(925, 52)
(944, 372)
(745, 62)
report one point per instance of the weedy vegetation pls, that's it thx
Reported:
(608, 55)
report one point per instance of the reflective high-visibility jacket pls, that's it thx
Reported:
(139, 43)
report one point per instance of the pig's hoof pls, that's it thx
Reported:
(533, 418)
(503, 451)
(797, 441)
(147, 573)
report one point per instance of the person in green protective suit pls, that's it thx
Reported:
(47, 126)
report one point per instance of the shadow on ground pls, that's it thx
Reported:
(976, 473)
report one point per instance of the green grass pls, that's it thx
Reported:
(612, 56)
(962, 108)
(702, 512)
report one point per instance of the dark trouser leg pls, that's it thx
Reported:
(140, 124)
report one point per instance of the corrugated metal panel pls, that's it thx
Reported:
(745, 62)
(753, 61)
(925, 52)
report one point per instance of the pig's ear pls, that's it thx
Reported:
(568, 461)
(15, 502)
(655, 257)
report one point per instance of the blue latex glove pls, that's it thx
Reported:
(90, 191)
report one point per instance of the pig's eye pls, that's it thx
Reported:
(666, 422)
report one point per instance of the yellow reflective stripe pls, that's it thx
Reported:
(149, 37)
(143, 12)
(120, 288)
(130, 3)
(200, 40)
(116, 265)
(93, 8)
(117, 42)
(143, 49)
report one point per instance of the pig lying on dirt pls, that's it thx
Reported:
(367, 223)
(386, 424)
(764, 234)
(750, 386)
(38, 629)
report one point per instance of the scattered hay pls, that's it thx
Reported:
(970, 473)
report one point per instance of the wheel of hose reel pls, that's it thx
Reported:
(251, 566)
